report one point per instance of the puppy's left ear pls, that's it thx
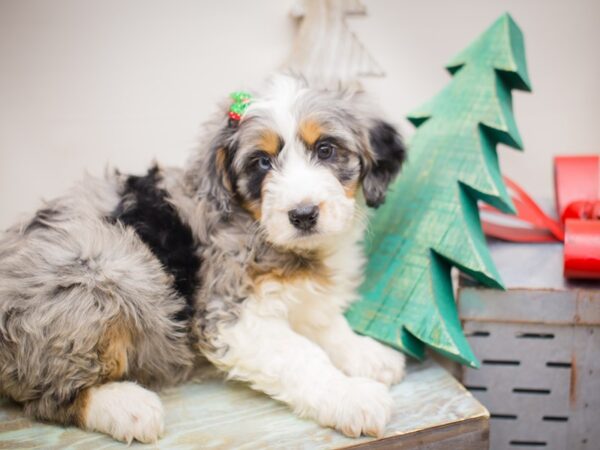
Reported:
(388, 155)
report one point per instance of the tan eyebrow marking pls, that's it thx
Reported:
(310, 131)
(270, 142)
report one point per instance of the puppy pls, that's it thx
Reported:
(246, 258)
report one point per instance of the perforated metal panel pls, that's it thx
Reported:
(539, 344)
(527, 382)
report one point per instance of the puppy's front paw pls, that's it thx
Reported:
(356, 406)
(125, 411)
(366, 357)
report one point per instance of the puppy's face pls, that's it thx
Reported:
(299, 157)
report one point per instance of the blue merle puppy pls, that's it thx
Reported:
(246, 258)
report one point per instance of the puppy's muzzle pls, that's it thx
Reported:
(304, 217)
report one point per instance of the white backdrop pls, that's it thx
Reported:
(84, 83)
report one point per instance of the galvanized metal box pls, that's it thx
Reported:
(539, 344)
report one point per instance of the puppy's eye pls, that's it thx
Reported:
(325, 150)
(264, 163)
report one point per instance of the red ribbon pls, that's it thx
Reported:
(577, 184)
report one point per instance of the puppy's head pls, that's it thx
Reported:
(299, 158)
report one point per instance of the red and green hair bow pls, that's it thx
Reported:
(241, 101)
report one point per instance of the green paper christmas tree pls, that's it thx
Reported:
(430, 220)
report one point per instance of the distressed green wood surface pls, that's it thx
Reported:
(218, 415)
(430, 220)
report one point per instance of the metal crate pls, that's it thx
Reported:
(539, 344)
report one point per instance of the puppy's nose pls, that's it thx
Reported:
(304, 217)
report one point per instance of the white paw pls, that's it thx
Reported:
(356, 406)
(366, 357)
(125, 411)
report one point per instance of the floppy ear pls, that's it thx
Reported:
(388, 153)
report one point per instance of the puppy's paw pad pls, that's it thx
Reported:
(125, 411)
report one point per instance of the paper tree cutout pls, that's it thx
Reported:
(430, 221)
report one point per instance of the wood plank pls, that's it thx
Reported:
(222, 415)
(471, 434)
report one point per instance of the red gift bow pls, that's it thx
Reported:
(577, 183)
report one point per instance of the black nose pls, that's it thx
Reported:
(305, 217)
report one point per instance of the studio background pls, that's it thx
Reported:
(84, 84)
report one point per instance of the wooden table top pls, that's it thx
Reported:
(223, 415)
